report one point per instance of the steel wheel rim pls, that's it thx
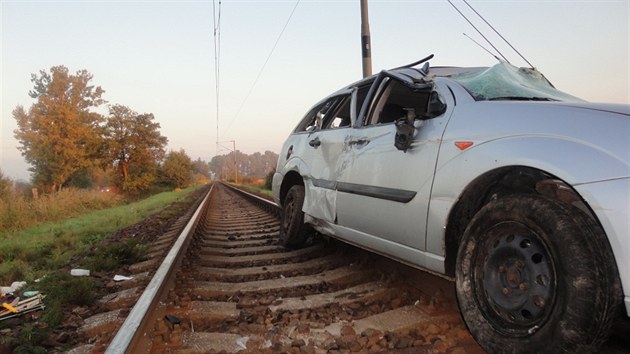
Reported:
(514, 279)
(288, 212)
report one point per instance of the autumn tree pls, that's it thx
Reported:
(177, 169)
(201, 167)
(59, 135)
(5, 187)
(135, 147)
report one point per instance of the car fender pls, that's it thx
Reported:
(558, 156)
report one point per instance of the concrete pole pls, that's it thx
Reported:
(235, 163)
(366, 51)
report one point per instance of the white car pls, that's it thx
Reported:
(487, 176)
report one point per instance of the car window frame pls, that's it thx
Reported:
(381, 98)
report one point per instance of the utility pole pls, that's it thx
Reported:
(235, 163)
(366, 51)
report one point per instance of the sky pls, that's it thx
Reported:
(277, 59)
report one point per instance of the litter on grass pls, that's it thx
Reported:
(15, 286)
(80, 272)
(34, 303)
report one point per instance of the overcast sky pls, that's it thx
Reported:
(158, 56)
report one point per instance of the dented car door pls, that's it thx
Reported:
(377, 178)
(321, 150)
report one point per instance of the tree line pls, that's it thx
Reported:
(67, 143)
(248, 167)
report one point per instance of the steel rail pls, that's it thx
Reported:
(261, 202)
(128, 332)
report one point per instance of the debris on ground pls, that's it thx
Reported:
(118, 277)
(80, 272)
(15, 286)
(19, 308)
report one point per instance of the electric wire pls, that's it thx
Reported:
(216, 19)
(273, 48)
(478, 31)
(499, 34)
(482, 47)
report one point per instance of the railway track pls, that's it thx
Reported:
(233, 288)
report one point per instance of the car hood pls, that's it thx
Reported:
(602, 107)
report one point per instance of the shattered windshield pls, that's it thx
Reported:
(506, 82)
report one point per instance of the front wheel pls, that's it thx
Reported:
(534, 275)
(293, 231)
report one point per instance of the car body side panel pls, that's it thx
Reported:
(318, 163)
(397, 251)
(545, 153)
(610, 200)
(378, 163)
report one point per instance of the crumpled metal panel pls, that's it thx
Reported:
(320, 202)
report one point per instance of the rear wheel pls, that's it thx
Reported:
(293, 231)
(535, 275)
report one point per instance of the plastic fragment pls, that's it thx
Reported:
(119, 277)
(242, 343)
(13, 288)
(80, 272)
(31, 293)
(172, 319)
(9, 307)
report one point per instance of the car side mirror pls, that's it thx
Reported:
(436, 106)
(405, 130)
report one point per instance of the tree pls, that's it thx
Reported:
(202, 167)
(135, 147)
(178, 169)
(5, 187)
(59, 135)
(255, 165)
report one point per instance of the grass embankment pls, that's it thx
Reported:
(18, 212)
(44, 251)
(32, 252)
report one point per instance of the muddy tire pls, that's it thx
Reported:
(293, 231)
(537, 276)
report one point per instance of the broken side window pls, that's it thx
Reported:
(396, 101)
(314, 118)
(341, 116)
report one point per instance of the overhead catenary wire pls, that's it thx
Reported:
(499, 34)
(273, 48)
(482, 47)
(216, 19)
(478, 31)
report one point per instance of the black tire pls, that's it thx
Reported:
(536, 276)
(293, 231)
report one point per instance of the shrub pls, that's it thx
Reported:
(269, 179)
(19, 212)
(115, 255)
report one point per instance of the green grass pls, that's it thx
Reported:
(27, 254)
(43, 252)
(18, 212)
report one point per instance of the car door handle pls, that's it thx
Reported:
(359, 142)
(315, 142)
